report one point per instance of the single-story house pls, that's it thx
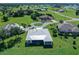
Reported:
(65, 27)
(12, 25)
(75, 31)
(68, 28)
(41, 9)
(8, 28)
(45, 18)
(39, 36)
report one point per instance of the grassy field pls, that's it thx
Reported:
(70, 12)
(26, 19)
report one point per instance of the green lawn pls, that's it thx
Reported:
(70, 12)
(26, 19)
(75, 22)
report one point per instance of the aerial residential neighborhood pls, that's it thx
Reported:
(39, 29)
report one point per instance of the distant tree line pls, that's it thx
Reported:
(77, 12)
(35, 15)
(20, 13)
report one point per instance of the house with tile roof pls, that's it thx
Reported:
(68, 28)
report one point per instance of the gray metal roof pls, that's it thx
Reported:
(68, 27)
(45, 17)
(65, 27)
(75, 29)
(39, 34)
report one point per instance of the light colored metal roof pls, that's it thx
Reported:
(39, 34)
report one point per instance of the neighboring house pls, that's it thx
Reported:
(13, 25)
(65, 27)
(8, 28)
(45, 18)
(41, 9)
(39, 36)
(75, 31)
(68, 28)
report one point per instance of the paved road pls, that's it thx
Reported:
(43, 24)
(61, 14)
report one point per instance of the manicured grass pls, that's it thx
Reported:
(40, 51)
(26, 19)
(58, 17)
(75, 22)
(71, 13)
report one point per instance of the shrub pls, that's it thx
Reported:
(5, 18)
(74, 42)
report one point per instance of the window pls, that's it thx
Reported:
(48, 43)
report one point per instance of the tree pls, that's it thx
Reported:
(2, 46)
(78, 25)
(3, 34)
(28, 7)
(29, 12)
(74, 35)
(54, 32)
(74, 47)
(33, 16)
(29, 25)
(24, 25)
(66, 35)
(77, 12)
(5, 18)
(17, 40)
(49, 15)
(61, 21)
(38, 14)
(10, 43)
(16, 31)
(74, 42)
